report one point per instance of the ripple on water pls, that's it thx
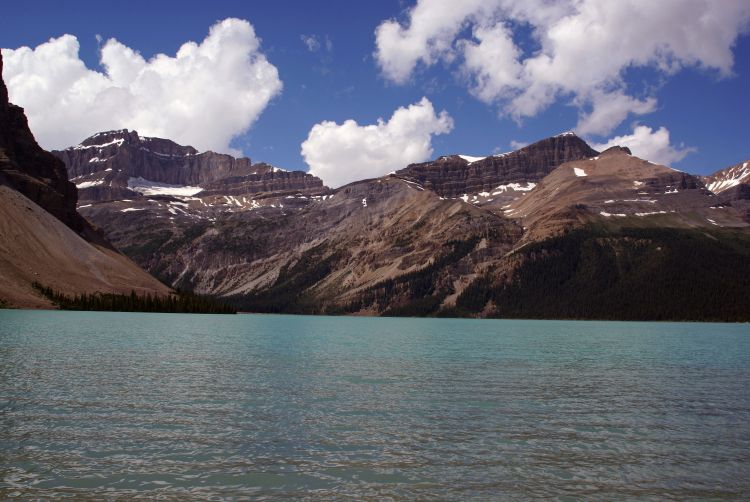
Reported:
(103, 405)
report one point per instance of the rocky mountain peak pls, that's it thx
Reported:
(457, 175)
(728, 178)
(124, 137)
(616, 150)
(114, 165)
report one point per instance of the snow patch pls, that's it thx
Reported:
(516, 187)
(364, 202)
(470, 159)
(147, 187)
(117, 142)
(604, 213)
(87, 184)
(650, 213)
(579, 172)
(131, 209)
(411, 184)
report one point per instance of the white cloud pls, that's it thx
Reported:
(491, 62)
(609, 110)
(311, 42)
(649, 144)
(342, 153)
(433, 25)
(584, 49)
(204, 96)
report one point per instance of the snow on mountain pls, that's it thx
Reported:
(147, 187)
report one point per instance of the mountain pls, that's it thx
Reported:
(618, 237)
(459, 236)
(732, 187)
(615, 185)
(501, 175)
(42, 236)
(121, 164)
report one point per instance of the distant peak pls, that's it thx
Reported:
(120, 137)
(617, 150)
(565, 135)
(108, 138)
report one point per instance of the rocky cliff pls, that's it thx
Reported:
(37, 174)
(106, 166)
(458, 175)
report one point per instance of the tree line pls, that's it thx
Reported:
(179, 302)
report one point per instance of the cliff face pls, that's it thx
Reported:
(456, 175)
(42, 237)
(37, 174)
(154, 159)
(105, 165)
(264, 179)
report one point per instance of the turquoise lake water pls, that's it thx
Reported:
(114, 405)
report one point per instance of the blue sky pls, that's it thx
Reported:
(342, 79)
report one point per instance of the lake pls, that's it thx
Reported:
(104, 405)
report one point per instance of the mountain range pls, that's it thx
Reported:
(552, 230)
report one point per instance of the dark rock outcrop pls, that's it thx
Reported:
(454, 176)
(27, 168)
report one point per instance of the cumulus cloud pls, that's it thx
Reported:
(433, 26)
(342, 153)
(648, 144)
(204, 96)
(583, 49)
(609, 110)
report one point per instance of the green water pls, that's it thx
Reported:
(113, 405)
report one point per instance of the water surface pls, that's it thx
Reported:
(116, 405)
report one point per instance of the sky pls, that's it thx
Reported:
(351, 90)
